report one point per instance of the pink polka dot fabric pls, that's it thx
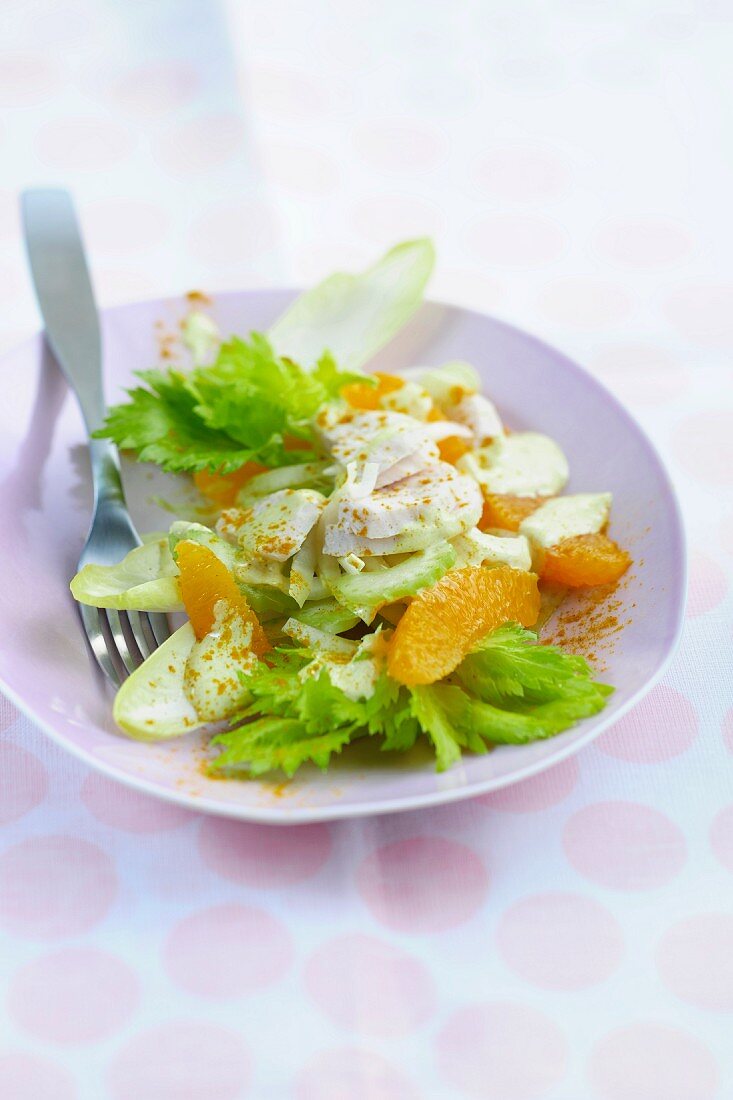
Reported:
(568, 938)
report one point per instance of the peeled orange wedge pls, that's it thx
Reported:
(506, 511)
(443, 623)
(204, 581)
(585, 560)
(452, 448)
(360, 395)
(223, 488)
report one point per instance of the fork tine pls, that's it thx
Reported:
(142, 633)
(123, 640)
(119, 641)
(154, 630)
(94, 631)
(161, 626)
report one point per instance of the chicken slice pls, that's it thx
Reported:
(480, 416)
(378, 447)
(406, 515)
(275, 527)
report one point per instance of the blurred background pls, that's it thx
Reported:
(574, 163)
(573, 160)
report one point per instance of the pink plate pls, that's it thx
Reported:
(45, 505)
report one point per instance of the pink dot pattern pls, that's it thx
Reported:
(624, 845)
(181, 1058)
(425, 884)
(28, 1077)
(354, 1072)
(566, 938)
(500, 1051)
(257, 856)
(560, 941)
(73, 996)
(363, 984)
(227, 951)
(695, 961)
(124, 809)
(54, 886)
(663, 726)
(23, 780)
(649, 1059)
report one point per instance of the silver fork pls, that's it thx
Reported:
(119, 640)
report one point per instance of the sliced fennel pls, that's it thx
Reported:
(448, 383)
(319, 641)
(303, 571)
(186, 683)
(353, 316)
(145, 580)
(368, 589)
(303, 475)
(268, 574)
(327, 615)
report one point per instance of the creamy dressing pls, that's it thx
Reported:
(566, 517)
(522, 464)
(477, 548)
(411, 399)
(211, 676)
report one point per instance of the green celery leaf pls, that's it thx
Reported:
(389, 713)
(433, 717)
(475, 719)
(160, 424)
(271, 743)
(218, 417)
(509, 665)
(510, 690)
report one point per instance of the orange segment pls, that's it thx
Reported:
(360, 395)
(585, 560)
(443, 623)
(204, 580)
(506, 511)
(452, 448)
(223, 488)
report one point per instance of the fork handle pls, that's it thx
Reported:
(66, 300)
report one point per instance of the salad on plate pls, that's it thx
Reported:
(372, 555)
